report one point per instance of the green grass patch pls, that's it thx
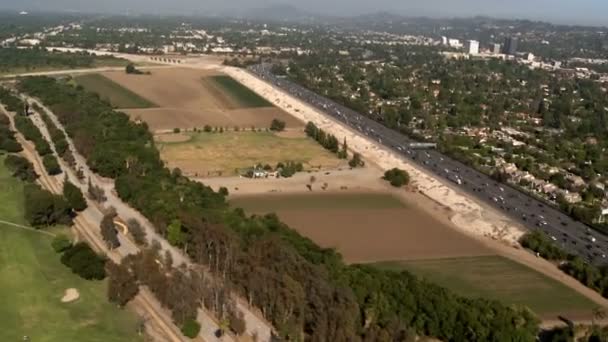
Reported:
(230, 152)
(244, 96)
(499, 278)
(33, 280)
(117, 95)
(329, 201)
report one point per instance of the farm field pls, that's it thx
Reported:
(222, 154)
(188, 98)
(117, 95)
(365, 227)
(33, 280)
(238, 95)
(502, 279)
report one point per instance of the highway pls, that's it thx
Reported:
(573, 236)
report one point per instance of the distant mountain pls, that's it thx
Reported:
(280, 12)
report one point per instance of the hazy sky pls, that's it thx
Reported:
(592, 12)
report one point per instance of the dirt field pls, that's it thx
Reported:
(499, 278)
(222, 154)
(366, 227)
(187, 99)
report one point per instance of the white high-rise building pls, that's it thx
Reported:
(472, 47)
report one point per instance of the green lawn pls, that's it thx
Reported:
(32, 282)
(329, 201)
(117, 95)
(499, 278)
(244, 96)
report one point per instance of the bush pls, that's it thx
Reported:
(61, 243)
(397, 177)
(176, 130)
(82, 260)
(191, 328)
(277, 125)
(207, 129)
(51, 164)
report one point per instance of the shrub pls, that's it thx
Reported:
(277, 125)
(397, 177)
(191, 328)
(61, 243)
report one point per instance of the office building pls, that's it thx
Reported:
(496, 49)
(510, 47)
(472, 47)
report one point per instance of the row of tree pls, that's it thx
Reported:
(58, 137)
(589, 274)
(305, 291)
(8, 142)
(330, 142)
(30, 132)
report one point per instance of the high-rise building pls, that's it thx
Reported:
(496, 49)
(510, 47)
(472, 47)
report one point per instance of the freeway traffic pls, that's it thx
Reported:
(573, 236)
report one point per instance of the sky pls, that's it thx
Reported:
(585, 12)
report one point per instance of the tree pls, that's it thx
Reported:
(130, 69)
(191, 328)
(122, 285)
(277, 125)
(74, 196)
(137, 232)
(21, 168)
(82, 260)
(175, 236)
(43, 208)
(96, 193)
(343, 153)
(397, 177)
(237, 323)
(108, 230)
(356, 161)
(51, 164)
(61, 243)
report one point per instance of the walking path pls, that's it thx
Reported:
(16, 225)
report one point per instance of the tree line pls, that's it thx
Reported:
(590, 275)
(331, 143)
(305, 291)
(39, 58)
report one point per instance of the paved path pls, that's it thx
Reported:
(16, 225)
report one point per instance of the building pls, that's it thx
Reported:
(444, 40)
(472, 47)
(455, 43)
(496, 49)
(510, 46)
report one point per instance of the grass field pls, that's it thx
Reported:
(365, 227)
(502, 279)
(244, 96)
(32, 282)
(117, 95)
(206, 154)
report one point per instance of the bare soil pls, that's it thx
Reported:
(369, 235)
(186, 100)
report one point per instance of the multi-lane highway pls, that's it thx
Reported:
(571, 235)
